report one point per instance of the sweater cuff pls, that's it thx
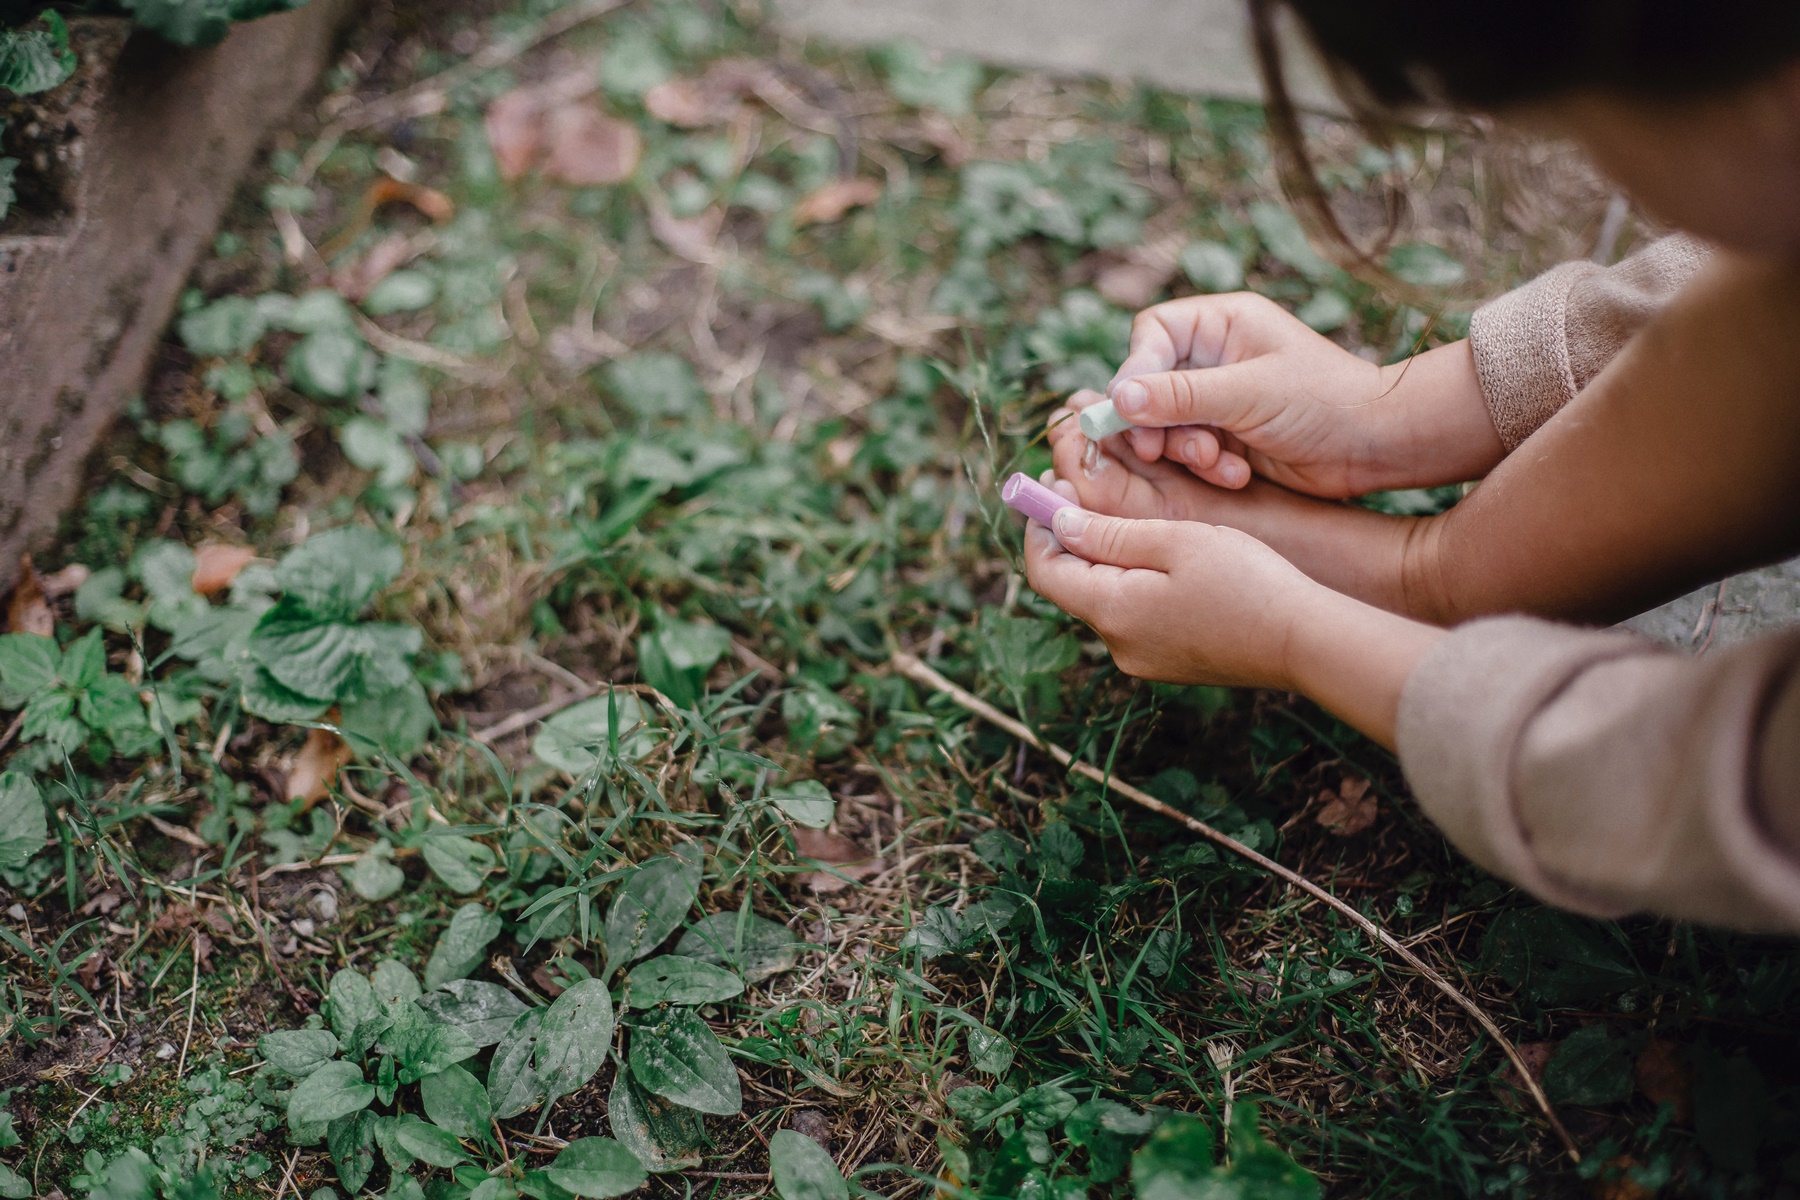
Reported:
(1462, 713)
(1521, 352)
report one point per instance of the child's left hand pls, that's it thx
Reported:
(1177, 601)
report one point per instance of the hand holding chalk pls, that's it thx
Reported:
(1102, 420)
(1024, 494)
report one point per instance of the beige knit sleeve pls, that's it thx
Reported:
(1610, 775)
(1538, 345)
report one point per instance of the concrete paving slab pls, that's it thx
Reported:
(1719, 615)
(1197, 46)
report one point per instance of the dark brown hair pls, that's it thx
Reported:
(1391, 59)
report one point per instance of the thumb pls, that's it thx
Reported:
(1117, 541)
(1227, 397)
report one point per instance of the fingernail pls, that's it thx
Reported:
(1070, 522)
(1132, 398)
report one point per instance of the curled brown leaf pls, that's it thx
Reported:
(1351, 811)
(217, 564)
(315, 767)
(28, 611)
(586, 148)
(831, 202)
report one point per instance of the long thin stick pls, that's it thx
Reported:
(913, 668)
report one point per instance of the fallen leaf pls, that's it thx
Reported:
(1537, 1056)
(546, 982)
(431, 203)
(315, 768)
(89, 971)
(1132, 285)
(216, 564)
(28, 611)
(515, 131)
(812, 1123)
(847, 858)
(1351, 810)
(1663, 1076)
(383, 259)
(831, 202)
(690, 237)
(942, 135)
(1621, 1186)
(689, 104)
(65, 581)
(103, 904)
(586, 148)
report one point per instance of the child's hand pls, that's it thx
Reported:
(1229, 384)
(1177, 601)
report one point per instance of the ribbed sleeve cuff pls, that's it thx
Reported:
(1462, 713)
(1521, 352)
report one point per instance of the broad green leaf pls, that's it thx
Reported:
(484, 1011)
(989, 1052)
(373, 875)
(298, 1052)
(402, 291)
(331, 364)
(819, 722)
(393, 983)
(332, 1091)
(678, 1057)
(456, 1101)
(13, 1186)
(35, 60)
(575, 739)
(675, 658)
(228, 326)
(28, 667)
(808, 802)
(334, 575)
(1283, 237)
(923, 79)
(335, 660)
(597, 1167)
(1212, 266)
(405, 398)
(495, 1187)
(655, 384)
(428, 1143)
(1107, 1130)
(1045, 1106)
(83, 661)
(802, 1170)
(421, 1044)
(664, 1135)
(512, 1085)
(1177, 1162)
(351, 1141)
(1591, 1066)
(1424, 265)
(650, 905)
(462, 944)
(353, 1001)
(754, 947)
(375, 445)
(575, 1038)
(396, 723)
(23, 825)
(672, 979)
(272, 701)
(458, 861)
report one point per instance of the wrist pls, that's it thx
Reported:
(1434, 423)
(1354, 659)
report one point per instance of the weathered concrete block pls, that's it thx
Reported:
(134, 167)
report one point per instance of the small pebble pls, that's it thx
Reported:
(326, 905)
(304, 927)
(166, 1051)
(16, 912)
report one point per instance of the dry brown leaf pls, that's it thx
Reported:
(1663, 1075)
(216, 564)
(943, 136)
(546, 982)
(28, 611)
(1536, 1056)
(431, 203)
(586, 148)
(1352, 810)
(847, 858)
(103, 904)
(836, 198)
(315, 767)
(690, 237)
(383, 259)
(65, 581)
(515, 131)
(690, 104)
(1132, 285)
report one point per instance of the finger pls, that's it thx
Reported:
(1080, 588)
(1202, 331)
(1230, 397)
(1230, 472)
(1194, 446)
(1119, 541)
(1148, 444)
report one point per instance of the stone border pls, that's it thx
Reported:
(149, 146)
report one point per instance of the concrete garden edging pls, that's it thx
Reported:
(140, 152)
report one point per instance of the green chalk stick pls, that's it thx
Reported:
(1102, 421)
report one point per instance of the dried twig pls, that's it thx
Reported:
(916, 670)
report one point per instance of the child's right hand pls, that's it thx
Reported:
(1227, 385)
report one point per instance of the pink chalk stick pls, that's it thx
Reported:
(1027, 495)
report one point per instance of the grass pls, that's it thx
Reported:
(728, 473)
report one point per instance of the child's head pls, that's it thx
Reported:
(1692, 105)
